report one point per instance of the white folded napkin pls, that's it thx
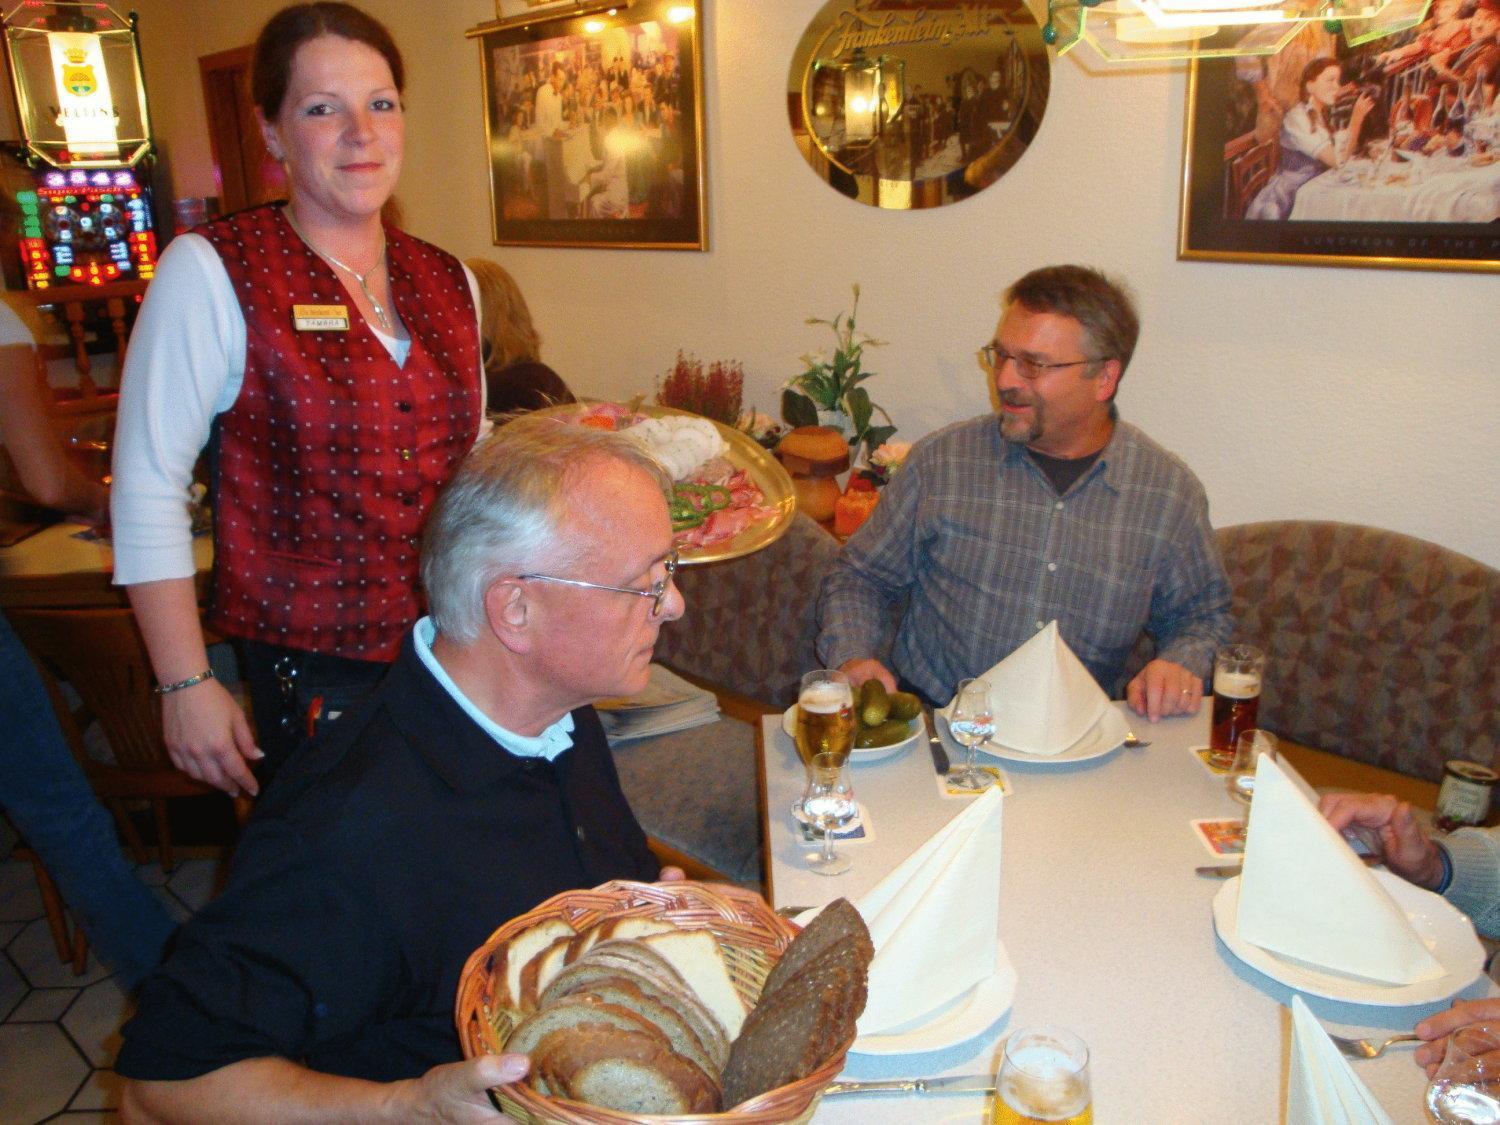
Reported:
(1322, 1088)
(1044, 698)
(935, 920)
(1305, 894)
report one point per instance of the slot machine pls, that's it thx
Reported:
(75, 192)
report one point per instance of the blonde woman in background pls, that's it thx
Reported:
(517, 379)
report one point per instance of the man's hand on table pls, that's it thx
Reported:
(459, 1092)
(1399, 840)
(1163, 689)
(1436, 1029)
(208, 737)
(864, 669)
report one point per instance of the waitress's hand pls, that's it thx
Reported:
(208, 737)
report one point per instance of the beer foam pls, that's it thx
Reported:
(825, 698)
(1236, 685)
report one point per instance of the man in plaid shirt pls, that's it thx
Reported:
(1058, 509)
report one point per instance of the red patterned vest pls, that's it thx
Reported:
(331, 454)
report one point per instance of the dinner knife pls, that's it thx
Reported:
(935, 745)
(952, 1084)
(1230, 870)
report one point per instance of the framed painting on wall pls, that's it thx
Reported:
(1381, 154)
(594, 121)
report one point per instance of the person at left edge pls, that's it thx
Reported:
(472, 785)
(334, 361)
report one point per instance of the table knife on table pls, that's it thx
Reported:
(935, 744)
(952, 1084)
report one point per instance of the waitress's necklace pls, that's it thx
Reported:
(379, 309)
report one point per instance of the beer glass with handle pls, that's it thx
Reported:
(1044, 1077)
(825, 715)
(1238, 670)
(972, 722)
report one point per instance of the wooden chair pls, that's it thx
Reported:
(101, 654)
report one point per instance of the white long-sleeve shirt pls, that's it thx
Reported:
(185, 366)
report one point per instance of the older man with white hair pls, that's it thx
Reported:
(474, 784)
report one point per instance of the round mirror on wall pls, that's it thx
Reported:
(905, 103)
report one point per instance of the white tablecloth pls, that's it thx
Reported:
(1449, 190)
(1110, 932)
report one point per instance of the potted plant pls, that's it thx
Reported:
(828, 393)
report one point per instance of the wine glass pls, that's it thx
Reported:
(972, 722)
(828, 804)
(1044, 1076)
(1247, 751)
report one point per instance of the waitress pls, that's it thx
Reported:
(334, 362)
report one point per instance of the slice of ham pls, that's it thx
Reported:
(721, 525)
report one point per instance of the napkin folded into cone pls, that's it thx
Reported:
(1322, 1088)
(1305, 894)
(1044, 698)
(935, 920)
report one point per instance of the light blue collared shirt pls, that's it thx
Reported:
(549, 744)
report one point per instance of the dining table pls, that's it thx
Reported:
(1421, 189)
(1108, 927)
(68, 566)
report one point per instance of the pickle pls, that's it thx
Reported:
(874, 703)
(905, 705)
(887, 733)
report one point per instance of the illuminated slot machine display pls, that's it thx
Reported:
(86, 227)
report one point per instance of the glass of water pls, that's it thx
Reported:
(828, 805)
(972, 722)
(1247, 752)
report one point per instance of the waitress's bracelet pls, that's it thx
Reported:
(191, 681)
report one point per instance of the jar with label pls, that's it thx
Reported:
(1464, 798)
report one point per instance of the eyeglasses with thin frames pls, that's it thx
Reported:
(992, 358)
(657, 591)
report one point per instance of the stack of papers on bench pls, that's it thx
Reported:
(667, 703)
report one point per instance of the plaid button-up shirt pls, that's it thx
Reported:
(975, 550)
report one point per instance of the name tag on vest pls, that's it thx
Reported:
(320, 318)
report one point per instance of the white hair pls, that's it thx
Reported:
(501, 515)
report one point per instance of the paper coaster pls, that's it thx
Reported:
(1000, 780)
(1221, 837)
(860, 829)
(1209, 759)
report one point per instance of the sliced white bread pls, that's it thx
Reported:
(576, 1012)
(511, 958)
(625, 1071)
(540, 970)
(623, 927)
(696, 956)
(667, 1019)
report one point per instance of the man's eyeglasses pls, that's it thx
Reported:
(993, 358)
(657, 592)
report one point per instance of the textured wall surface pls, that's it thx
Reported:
(1295, 392)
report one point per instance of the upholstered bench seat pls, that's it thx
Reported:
(695, 791)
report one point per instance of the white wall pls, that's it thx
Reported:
(1359, 395)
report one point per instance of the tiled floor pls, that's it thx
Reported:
(59, 1032)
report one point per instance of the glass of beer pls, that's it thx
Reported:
(1237, 675)
(825, 715)
(1247, 751)
(1044, 1077)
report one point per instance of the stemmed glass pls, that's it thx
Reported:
(828, 804)
(824, 722)
(972, 722)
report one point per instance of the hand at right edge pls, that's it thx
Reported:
(208, 737)
(864, 669)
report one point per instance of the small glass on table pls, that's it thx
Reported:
(1044, 1077)
(972, 723)
(1466, 1088)
(828, 805)
(1247, 752)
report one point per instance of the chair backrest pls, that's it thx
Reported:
(1381, 647)
(101, 654)
(750, 622)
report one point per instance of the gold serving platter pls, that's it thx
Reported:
(744, 453)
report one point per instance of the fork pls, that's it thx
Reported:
(1365, 1049)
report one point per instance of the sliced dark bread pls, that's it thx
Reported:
(786, 1039)
(578, 1012)
(666, 1018)
(838, 922)
(625, 1071)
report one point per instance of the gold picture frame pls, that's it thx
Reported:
(594, 126)
(1241, 197)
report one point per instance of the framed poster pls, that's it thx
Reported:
(1385, 154)
(594, 122)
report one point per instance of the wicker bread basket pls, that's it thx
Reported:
(752, 936)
